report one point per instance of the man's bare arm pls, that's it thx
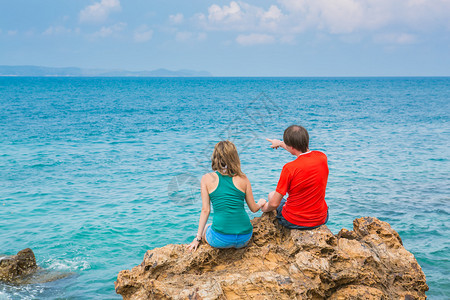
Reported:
(277, 143)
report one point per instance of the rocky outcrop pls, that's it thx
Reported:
(22, 269)
(368, 262)
(17, 266)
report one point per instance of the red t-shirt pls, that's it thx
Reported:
(305, 180)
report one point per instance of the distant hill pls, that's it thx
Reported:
(72, 71)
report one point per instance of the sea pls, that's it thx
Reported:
(96, 171)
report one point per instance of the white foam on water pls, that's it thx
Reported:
(3, 296)
(71, 265)
(25, 292)
(39, 291)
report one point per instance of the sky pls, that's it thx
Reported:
(231, 38)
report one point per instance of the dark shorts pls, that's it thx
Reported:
(288, 224)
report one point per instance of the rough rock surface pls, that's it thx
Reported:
(369, 262)
(22, 269)
(17, 266)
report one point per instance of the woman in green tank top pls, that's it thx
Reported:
(227, 189)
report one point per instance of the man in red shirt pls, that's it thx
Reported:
(304, 179)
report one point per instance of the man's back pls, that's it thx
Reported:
(305, 180)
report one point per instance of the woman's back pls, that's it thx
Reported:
(227, 190)
(228, 201)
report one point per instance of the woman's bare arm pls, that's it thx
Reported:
(254, 207)
(204, 215)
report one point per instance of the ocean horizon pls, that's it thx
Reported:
(95, 171)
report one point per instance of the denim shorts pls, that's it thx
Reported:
(288, 224)
(220, 240)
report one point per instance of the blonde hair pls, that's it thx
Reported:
(225, 159)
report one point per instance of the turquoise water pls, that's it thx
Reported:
(95, 171)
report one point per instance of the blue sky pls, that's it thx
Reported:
(232, 38)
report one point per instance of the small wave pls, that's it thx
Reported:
(44, 165)
(26, 292)
(67, 265)
(123, 142)
(3, 296)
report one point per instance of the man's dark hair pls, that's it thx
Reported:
(297, 137)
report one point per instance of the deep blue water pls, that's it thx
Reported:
(95, 171)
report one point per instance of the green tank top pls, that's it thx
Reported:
(230, 216)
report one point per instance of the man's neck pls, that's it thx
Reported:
(299, 153)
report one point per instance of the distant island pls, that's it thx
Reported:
(37, 71)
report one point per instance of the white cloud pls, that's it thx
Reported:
(287, 39)
(176, 19)
(241, 16)
(30, 33)
(342, 17)
(60, 30)
(347, 16)
(337, 16)
(254, 39)
(226, 13)
(99, 11)
(183, 36)
(396, 38)
(274, 13)
(12, 32)
(107, 31)
(201, 36)
(143, 34)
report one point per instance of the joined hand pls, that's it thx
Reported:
(261, 202)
